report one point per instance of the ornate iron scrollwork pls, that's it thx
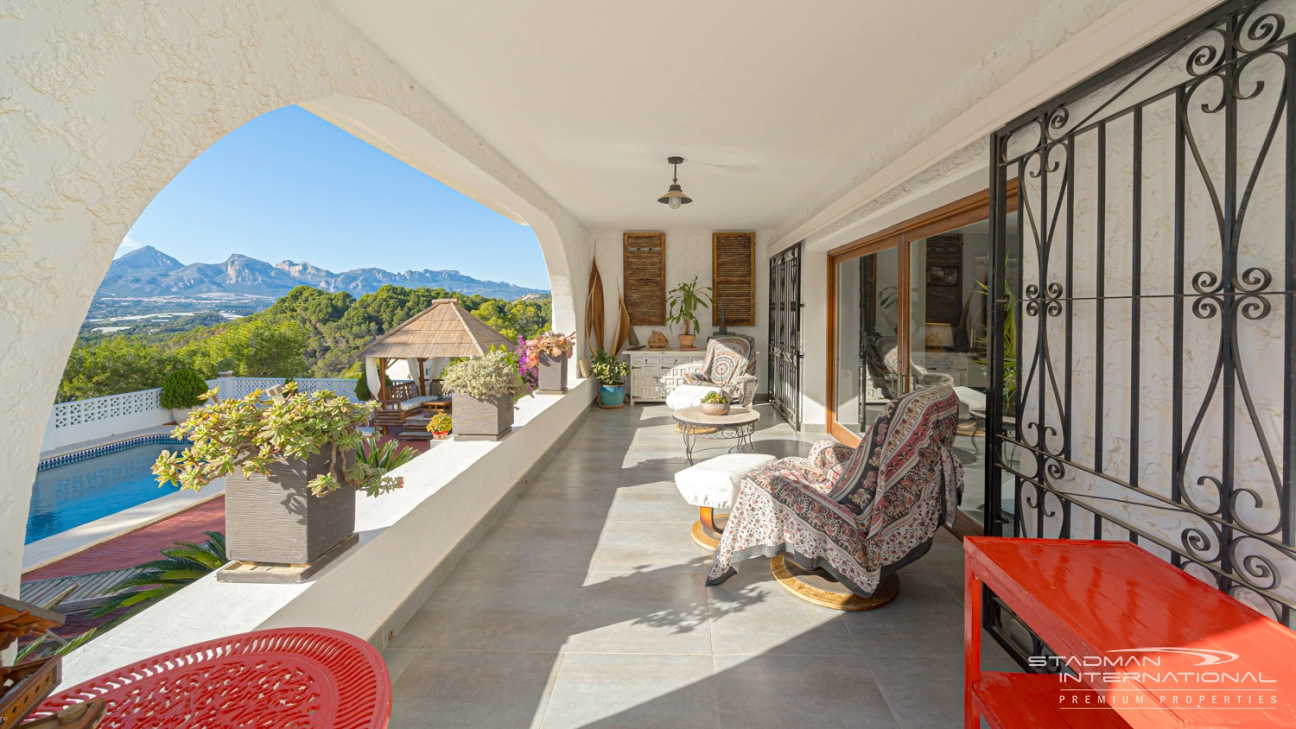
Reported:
(1073, 450)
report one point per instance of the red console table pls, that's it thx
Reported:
(1153, 646)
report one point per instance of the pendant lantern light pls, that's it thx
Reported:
(675, 196)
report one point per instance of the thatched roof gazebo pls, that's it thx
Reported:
(442, 331)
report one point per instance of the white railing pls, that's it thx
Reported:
(82, 412)
(79, 421)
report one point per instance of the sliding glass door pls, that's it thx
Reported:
(910, 310)
(868, 335)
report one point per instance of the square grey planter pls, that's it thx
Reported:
(481, 419)
(274, 519)
(553, 375)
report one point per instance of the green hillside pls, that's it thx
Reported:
(308, 332)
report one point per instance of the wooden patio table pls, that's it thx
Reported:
(1154, 646)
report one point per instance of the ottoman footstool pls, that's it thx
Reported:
(712, 485)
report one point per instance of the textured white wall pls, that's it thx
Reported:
(102, 103)
(688, 254)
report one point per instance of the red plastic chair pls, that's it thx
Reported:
(304, 678)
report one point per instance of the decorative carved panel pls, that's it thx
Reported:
(733, 278)
(644, 261)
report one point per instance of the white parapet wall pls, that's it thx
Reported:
(409, 541)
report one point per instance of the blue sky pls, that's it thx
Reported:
(289, 185)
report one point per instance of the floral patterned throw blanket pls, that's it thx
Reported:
(853, 511)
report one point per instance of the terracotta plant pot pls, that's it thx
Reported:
(440, 434)
(275, 520)
(553, 375)
(687, 341)
(715, 408)
(180, 415)
(481, 419)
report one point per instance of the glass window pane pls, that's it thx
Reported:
(867, 354)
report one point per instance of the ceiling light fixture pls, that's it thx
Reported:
(675, 197)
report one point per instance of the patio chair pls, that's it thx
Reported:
(403, 401)
(882, 356)
(729, 366)
(848, 519)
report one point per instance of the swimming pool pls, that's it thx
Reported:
(75, 490)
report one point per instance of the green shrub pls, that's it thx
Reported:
(608, 370)
(183, 388)
(490, 376)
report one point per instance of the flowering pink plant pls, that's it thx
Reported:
(530, 375)
(551, 343)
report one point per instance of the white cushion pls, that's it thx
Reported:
(686, 396)
(414, 403)
(969, 400)
(715, 483)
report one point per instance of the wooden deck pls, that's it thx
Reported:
(90, 589)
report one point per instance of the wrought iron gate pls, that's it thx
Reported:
(1144, 350)
(785, 334)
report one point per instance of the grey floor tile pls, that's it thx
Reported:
(605, 691)
(470, 690)
(653, 612)
(649, 503)
(751, 614)
(397, 661)
(512, 611)
(561, 504)
(535, 546)
(642, 547)
(922, 693)
(776, 692)
(414, 634)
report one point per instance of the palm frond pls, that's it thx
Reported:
(184, 564)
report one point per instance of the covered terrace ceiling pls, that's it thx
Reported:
(781, 100)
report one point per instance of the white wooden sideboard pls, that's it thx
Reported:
(655, 372)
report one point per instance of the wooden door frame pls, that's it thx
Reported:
(966, 211)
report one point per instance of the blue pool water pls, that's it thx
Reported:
(78, 493)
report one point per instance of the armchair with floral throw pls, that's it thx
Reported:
(730, 365)
(859, 514)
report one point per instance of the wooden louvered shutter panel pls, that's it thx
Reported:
(644, 261)
(733, 278)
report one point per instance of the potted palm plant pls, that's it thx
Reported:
(484, 390)
(684, 301)
(548, 353)
(611, 375)
(182, 391)
(290, 473)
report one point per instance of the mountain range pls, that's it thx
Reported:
(147, 271)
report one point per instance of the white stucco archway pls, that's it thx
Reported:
(104, 103)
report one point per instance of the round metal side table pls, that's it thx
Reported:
(739, 423)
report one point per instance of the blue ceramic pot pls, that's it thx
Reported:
(611, 396)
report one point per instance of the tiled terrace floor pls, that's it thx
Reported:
(584, 606)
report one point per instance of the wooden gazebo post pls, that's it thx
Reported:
(382, 378)
(422, 376)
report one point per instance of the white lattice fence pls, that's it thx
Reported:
(102, 417)
(81, 412)
(333, 384)
(79, 421)
(243, 386)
